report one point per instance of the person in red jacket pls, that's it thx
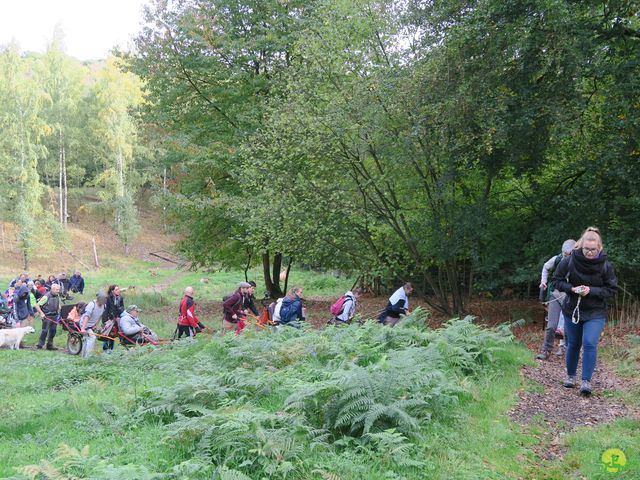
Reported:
(232, 307)
(188, 323)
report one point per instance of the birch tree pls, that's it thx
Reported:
(116, 94)
(21, 129)
(62, 80)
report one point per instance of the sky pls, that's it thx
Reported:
(91, 27)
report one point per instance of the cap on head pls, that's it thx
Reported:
(244, 285)
(101, 296)
(252, 283)
(131, 308)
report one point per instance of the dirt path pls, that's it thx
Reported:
(545, 403)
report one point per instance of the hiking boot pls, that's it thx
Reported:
(585, 388)
(570, 381)
(39, 347)
(561, 351)
(544, 355)
(51, 347)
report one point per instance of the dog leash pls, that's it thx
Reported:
(575, 316)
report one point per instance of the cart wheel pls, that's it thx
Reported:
(74, 344)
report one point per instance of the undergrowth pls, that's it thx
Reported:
(341, 403)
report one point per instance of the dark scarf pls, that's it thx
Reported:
(588, 266)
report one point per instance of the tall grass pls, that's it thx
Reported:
(341, 403)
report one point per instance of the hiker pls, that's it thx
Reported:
(112, 311)
(344, 308)
(75, 314)
(135, 331)
(89, 320)
(397, 305)
(23, 278)
(22, 304)
(249, 303)
(49, 309)
(63, 281)
(588, 279)
(291, 310)
(188, 323)
(553, 300)
(232, 307)
(274, 311)
(76, 283)
(51, 279)
(40, 289)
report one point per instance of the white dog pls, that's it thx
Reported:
(12, 337)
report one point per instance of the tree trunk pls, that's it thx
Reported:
(95, 253)
(248, 265)
(120, 193)
(25, 258)
(64, 181)
(60, 176)
(164, 203)
(272, 285)
(277, 267)
(286, 278)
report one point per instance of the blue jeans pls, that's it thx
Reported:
(584, 334)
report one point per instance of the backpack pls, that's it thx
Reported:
(337, 308)
(545, 295)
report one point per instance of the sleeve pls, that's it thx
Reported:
(546, 268)
(191, 313)
(43, 299)
(610, 284)
(560, 276)
(398, 307)
(88, 310)
(252, 306)
(81, 285)
(229, 303)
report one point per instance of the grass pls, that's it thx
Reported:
(151, 278)
(52, 399)
(56, 399)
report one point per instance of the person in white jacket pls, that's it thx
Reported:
(131, 326)
(555, 320)
(348, 306)
(397, 305)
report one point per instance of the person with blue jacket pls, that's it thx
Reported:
(291, 310)
(397, 305)
(76, 283)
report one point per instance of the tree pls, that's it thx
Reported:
(116, 94)
(20, 131)
(61, 79)
(209, 68)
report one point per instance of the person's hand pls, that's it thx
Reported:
(543, 286)
(234, 316)
(581, 290)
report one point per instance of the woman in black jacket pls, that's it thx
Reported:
(589, 280)
(112, 311)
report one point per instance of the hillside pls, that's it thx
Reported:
(76, 251)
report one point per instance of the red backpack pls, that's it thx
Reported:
(336, 308)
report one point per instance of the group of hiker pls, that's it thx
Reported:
(23, 296)
(577, 283)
